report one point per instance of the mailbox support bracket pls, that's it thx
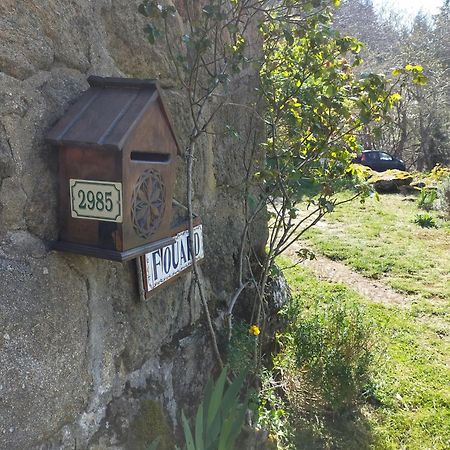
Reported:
(110, 254)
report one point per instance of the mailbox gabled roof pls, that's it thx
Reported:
(106, 113)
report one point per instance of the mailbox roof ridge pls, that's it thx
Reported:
(106, 113)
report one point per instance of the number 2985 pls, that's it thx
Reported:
(96, 200)
(101, 201)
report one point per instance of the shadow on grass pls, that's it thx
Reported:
(317, 425)
(348, 431)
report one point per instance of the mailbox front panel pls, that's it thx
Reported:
(149, 168)
(91, 198)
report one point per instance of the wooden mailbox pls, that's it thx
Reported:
(117, 154)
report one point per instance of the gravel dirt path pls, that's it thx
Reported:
(337, 272)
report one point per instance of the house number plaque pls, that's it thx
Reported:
(96, 200)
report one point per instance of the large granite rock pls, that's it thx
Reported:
(79, 351)
(391, 181)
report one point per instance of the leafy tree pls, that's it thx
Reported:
(302, 126)
(317, 105)
(418, 126)
(303, 123)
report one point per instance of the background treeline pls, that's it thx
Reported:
(419, 128)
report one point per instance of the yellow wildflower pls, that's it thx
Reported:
(254, 329)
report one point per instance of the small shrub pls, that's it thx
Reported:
(425, 220)
(426, 199)
(440, 173)
(443, 197)
(332, 347)
(273, 411)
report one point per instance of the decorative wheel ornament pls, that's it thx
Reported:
(147, 203)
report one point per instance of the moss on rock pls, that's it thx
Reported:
(150, 424)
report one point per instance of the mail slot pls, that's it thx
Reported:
(117, 151)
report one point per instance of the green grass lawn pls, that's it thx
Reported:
(408, 406)
(409, 403)
(380, 240)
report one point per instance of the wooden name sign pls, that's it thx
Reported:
(168, 261)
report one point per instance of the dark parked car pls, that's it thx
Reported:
(379, 161)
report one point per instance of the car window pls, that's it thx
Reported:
(371, 155)
(385, 157)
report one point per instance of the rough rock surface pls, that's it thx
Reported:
(79, 351)
(390, 181)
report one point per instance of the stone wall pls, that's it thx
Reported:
(81, 356)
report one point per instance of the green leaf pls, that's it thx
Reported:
(150, 9)
(323, 18)
(395, 97)
(377, 132)
(225, 434)
(168, 11)
(216, 397)
(152, 33)
(208, 10)
(230, 398)
(365, 116)
(357, 61)
(206, 396)
(236, 427)
(420, 78)
(288, 36)
(251, 202)
(222, 78)
(212, 432)
(143, 10)
(187, 433)
(199, 431)
(304, 253)
(233, 412)
(231, 131)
